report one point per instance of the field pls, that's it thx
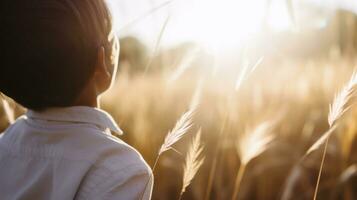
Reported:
(235, 129)
(294, 95)
(297, 95)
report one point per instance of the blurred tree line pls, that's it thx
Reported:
(314, 35)
(135, 57)
(345, 24)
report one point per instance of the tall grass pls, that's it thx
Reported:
(243, 75)
(212, 172)
(147, 108)
(338, 109)
(303, 92)
(145, 15)
(250, 145)
(157, 43)
(193, 162)
(302, 89)
(246, 72)
(181, 128)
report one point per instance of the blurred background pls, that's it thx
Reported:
(302, 53)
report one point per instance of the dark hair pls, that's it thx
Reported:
(49, 49)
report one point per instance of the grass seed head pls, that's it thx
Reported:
(193, 162)
(254, 142)
(181, 128)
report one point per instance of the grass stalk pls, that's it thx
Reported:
(146, 14)
(320, 170)
(193, 162)
(157, 44)
(215, 158)
(155, 163)
(238, 181)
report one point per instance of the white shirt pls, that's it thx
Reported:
(68, 153)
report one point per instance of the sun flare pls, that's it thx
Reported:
(225, 23)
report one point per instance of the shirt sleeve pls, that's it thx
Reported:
(134, 182)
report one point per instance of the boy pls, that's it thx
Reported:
(57, 57)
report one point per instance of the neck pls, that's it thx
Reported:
(88, 102)
(88, 97)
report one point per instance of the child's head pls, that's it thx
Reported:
(51, 50)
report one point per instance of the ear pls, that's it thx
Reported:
(102, 75)
(101, 63)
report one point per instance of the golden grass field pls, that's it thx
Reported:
(293, 97)
(296, 95)
(220, 129)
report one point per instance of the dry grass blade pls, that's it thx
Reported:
(343, 101)
(341, 104)
(347, 174)
(246, 72)
(321, 140)
(184, 64)
(320, 170)
(143, 16)
(10, 114)
(216, 154)
(252, 143)
(292, 179)
(242, 76)
(193, 162)
(180, 129)
(158, 42)
(196, 97)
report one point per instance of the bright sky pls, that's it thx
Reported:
(215, 23)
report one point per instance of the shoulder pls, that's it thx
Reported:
(119, 154)
(118, 168)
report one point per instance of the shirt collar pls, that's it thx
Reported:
(78, 114)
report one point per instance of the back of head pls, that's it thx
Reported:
(49, 49)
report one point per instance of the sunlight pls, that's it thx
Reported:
(226, 23)
(279, 18)
(216, 24)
